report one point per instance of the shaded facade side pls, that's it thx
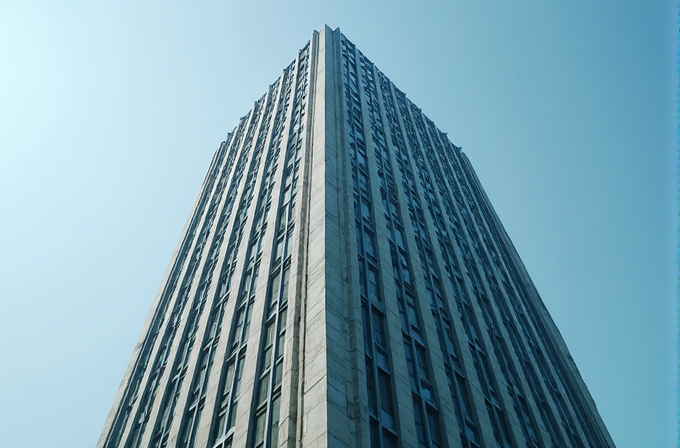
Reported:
(477, 342)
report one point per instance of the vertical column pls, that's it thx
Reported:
(324, 357)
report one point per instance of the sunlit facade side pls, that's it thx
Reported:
(344, 281)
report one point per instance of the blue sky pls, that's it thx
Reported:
(110, 113)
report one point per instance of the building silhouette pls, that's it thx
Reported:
(343, 281)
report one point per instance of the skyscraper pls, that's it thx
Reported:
(344, 281)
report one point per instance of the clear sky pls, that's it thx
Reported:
(110, 113)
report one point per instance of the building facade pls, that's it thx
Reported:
(343, 281)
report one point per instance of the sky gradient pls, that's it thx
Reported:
(110, 113)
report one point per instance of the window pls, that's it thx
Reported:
(279, 249)
(389, 440)
(410, 365)
(274, 291)
(369, 247)
(278, 374)
(368, 348)
(420, 426)
(422, 366)
(284, 286)
(274, 431)
(232, 416)
(378, 329)
(240, 317)
(412, 316)
(289, 238)
(282, 333)
(259, 428)
(366, 210)
(373, 291)
(375, 434)
(405, 272)
(246, 326)
(433, 422)
(363, 181)
(269, 344)
(357, 233)
(386, 403)
(264, 388)
(370, 387)
(239, 373)
(362, 278)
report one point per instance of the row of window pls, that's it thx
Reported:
(465, 412)
(383, 425)
(475, 344)
(228, 392)
(242, 142)
(472, 270)
(131, 394)
(478, 355)
(184, 297)
(198, 388)
(425, 408)
(267, 401)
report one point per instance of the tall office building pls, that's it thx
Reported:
(343, 281)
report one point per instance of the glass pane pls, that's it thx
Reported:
(389, 441)
(362, 278)
(220, 424)
(274, 434)
(357, 233)
(385, 392)
(259, 428)
(267, 357)
(378, 329)
(278, 373)
(367, 330)
(289, 238)
(433, 421)
(370, 387)
(284, 286)
(276, 282)
(232, 416)
(281, 344)
(270, 334)
(373, 293)
(239, 373)
(366, 210)
(375, 435)
(368, 244)
(229, 377)
(264, 389)
(420, 429)
(239, 324)
(422, 366)
(282, 321)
